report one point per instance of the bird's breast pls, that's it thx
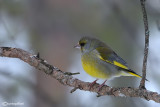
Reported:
(94, 66)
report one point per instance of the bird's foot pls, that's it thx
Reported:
(100, 86)
(91, 84)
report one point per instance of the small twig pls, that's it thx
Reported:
(142, 83)
(38, 55)
(74, 89)
(69, 73)
(98, 95)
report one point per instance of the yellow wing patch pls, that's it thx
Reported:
(104, 60)
(123, 66)
(114, 62)
(135, 74)
(120, 65)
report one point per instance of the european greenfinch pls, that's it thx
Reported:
(100, 61)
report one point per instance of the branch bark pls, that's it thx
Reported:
(67, 78)
(145, 20)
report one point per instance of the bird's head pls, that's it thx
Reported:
(87, 44)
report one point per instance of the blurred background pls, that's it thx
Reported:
(53, 27)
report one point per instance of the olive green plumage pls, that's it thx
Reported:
(100, 61)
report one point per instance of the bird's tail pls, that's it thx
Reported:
(131, 72)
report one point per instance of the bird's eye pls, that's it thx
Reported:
(82, 44)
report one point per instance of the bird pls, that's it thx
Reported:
(100, 61)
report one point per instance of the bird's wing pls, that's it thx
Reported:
(111, 57)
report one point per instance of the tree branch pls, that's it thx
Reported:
(142, 83)
(67, 78)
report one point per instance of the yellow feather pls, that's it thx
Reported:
(135, 74)
(120, 65)
(114, 62)
(123, 66)
(104, 60)
(91, 69)
(89, 65)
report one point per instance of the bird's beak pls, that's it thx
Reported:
(77, 46)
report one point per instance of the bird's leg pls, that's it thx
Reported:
(100, 87)
(91, 84)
